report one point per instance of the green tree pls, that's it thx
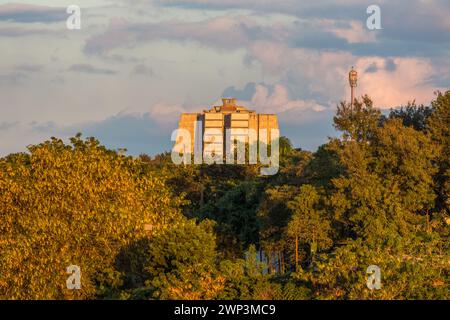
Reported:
(181, 263)
(416, 270)
(235, 213)
(381, 203)
(387, 188)
(308, 224)
(439, 128)
(242, 276)
(412, 115)
(274, 215)
(285, 146)
(77, 204)
(323, 167)
(358, 121)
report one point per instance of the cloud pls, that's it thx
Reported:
(222, 32)
(7, 125)
(398, 80)
(291, 57)
(323, 8)
(142, 69)
(279, 101)
(381, 64)
(271, 99)
(322, 76)
(138, 133)
(310, 131)
(403, 21)
(165, 113)
(421, 21)
(13, 78)
(246, 93)
(90, 69)
(27, 67)
(307, 74)
(27, 13)
(231, 32)
(354, 32)
(14, 32)
(17, 135)
(371, 68)
(307, 123)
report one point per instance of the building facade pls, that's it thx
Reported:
(208, 130)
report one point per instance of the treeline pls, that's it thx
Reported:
(144, 228)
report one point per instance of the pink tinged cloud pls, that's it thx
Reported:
(279, 101)
(321, 73)
(356, 33)
(17, 8)
(162, 111)
(326, 73)
(222, 33)
(407, 82)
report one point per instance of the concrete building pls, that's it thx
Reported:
(208, 129)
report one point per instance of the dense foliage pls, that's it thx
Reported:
(144, 228)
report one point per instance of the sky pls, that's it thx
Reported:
(135, 65)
